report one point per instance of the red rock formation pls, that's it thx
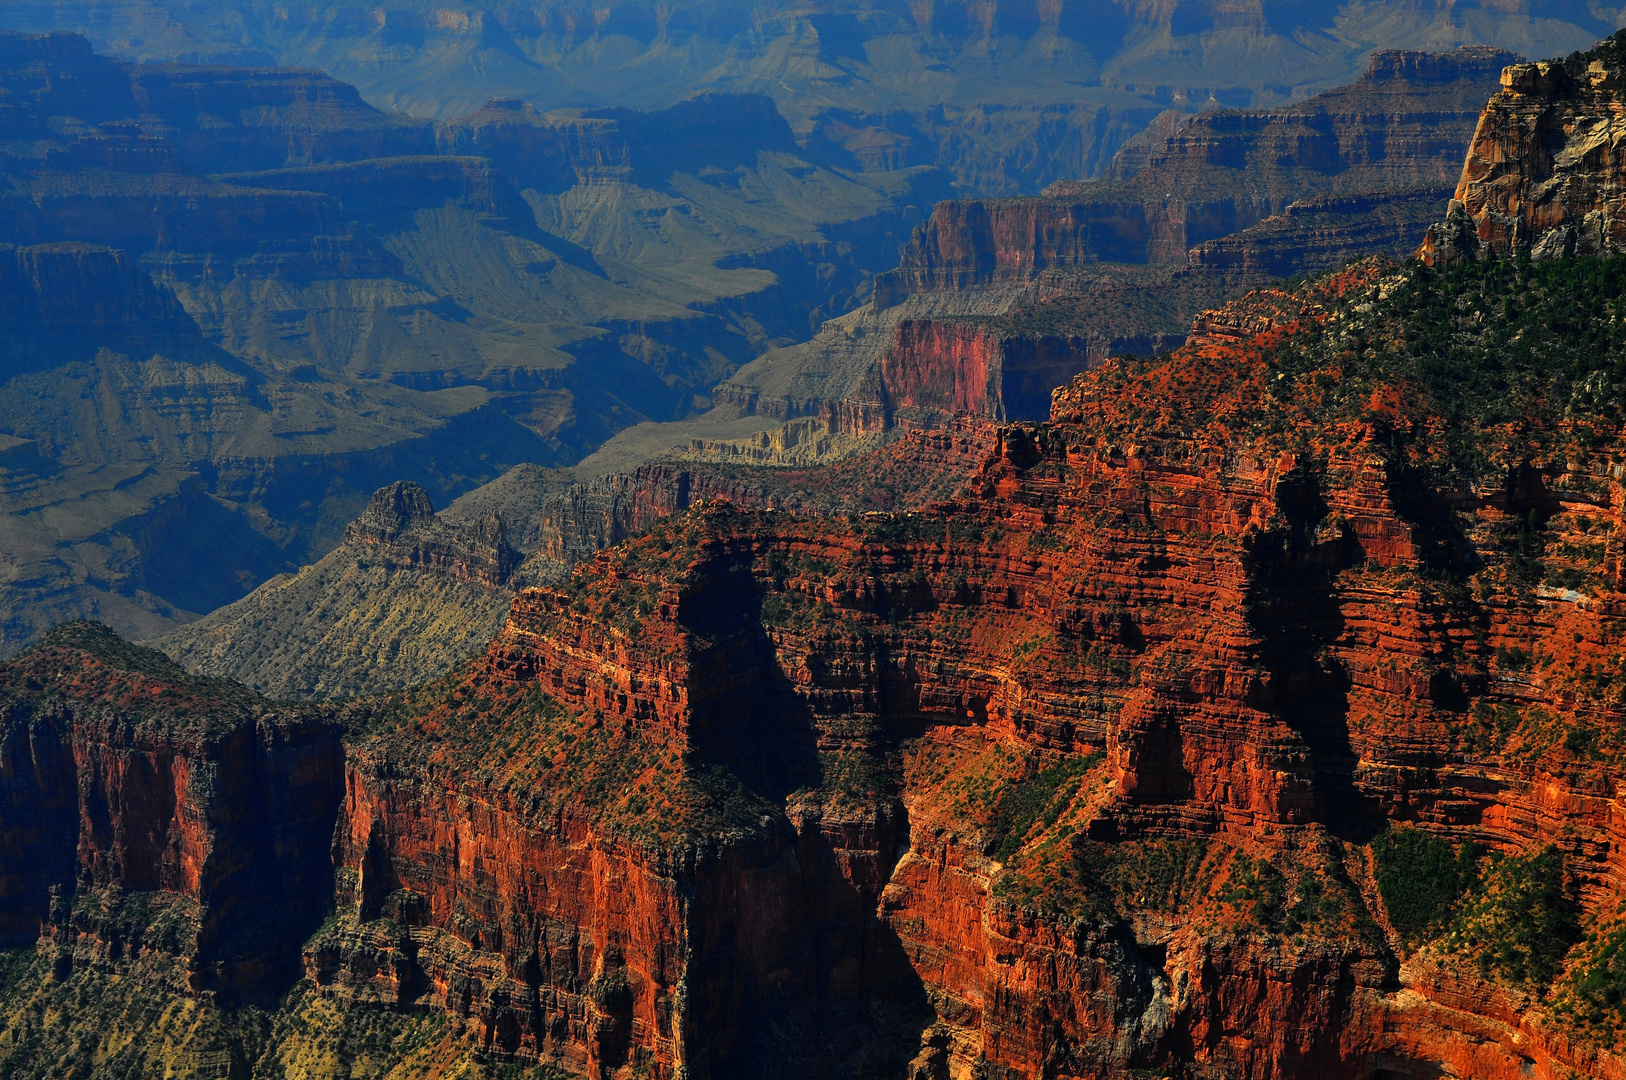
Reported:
(1242, 637)
(400, 529)
(739, 793)
(964, 366)
(121, 770)
(1067, 775)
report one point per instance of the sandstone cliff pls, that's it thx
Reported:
(1257, 715)
(1214, 682)
(410, 594)
(1108, 762)
(1543, 172)
(123, 773)
(995, 352)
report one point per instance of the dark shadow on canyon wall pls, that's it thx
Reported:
(1292, 605)
(794, 975)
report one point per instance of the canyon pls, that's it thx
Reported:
(1007, 97)
(1257, 712)
(1045, 693)
(257, 299)
(1076, 771)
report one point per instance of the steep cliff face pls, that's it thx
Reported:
(963, 367)
(1084, 272)
(410, 594)
(122, 772)
(1322, 231)
(1151, 685)
(1258, 714)
(900, 365)
(1543, 171)
(82, 290)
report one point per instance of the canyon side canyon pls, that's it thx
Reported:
(639, 593)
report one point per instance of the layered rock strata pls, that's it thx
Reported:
(410, 594)
(993, 352)
(364, 305)
(1543, 175)
(1402, 127)
(124, 773)
(1077, 275)
(403, 598)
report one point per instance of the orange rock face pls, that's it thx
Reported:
(1236, 661)
(948, 367)
(1543, 174)
(146, 779)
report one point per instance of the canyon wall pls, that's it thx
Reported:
(780, 648)
(999, 783)
(1400, 129)
(366, 305)
(1200, 209)
(82, 290)
(123, 772)
(1542, 174)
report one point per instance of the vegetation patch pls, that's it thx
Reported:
(1036, 801)
(1279, 904)
(1591, 998)
(1520, 919)
(1421, 878)
(1100, 882)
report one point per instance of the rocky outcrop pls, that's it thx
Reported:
(246, 119)
(1071, 772)
(123, 772)
(405, 596)
(400, 528)
(409, 594)
(1543, 173)
(955, 367)
(1314, 233)
(80, 290)
(1264, 678)
(997, 352)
